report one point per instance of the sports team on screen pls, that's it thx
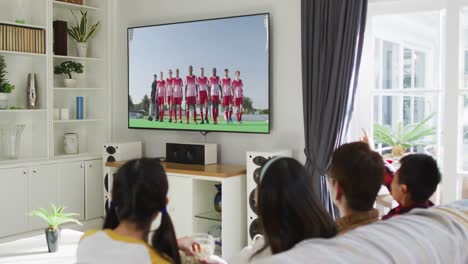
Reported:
(207, 91)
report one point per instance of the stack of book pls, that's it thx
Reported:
(22, 39)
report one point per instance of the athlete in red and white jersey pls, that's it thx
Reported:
(203, 95)
(238, 88)
(161, 86)
(191, 95)
(215, 91)
(227, 96)
(169, 94)
(177, 84)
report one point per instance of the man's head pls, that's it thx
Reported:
(177, 73)
(170, 73)
(190, 70)
(237, 75)
(416, 179)
(202, 72)
(226, 72)
(357, 174)
(214, 72)
(162, 75)
(155, 77)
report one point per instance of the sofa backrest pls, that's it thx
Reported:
(436, 235)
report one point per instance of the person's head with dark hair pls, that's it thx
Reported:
(139, 194)
(356, 176)
(226, 73)
(155, 77)
(416, 179)
(288, 208)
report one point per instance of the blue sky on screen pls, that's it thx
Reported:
(233, 43)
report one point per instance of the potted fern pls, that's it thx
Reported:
(67, 68)
(5, 87)
(81, 34)
(403, 137)
(54, 219)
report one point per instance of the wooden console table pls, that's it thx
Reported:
(212, 170)
(191, 201)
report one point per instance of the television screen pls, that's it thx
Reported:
(207, 75)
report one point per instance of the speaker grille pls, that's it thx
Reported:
(110, 159)
(255, 228)
(111, 150)
(253, 201)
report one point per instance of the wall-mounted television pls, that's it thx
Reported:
(205, 75)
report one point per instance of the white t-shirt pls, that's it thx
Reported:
(245, 256)
(108, 247)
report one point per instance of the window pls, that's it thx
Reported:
(402, 93)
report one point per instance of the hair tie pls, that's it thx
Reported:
(266, 166)
(164, 210)
(113, 205)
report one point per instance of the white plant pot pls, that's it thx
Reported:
(82, 49)
(70, 83)
(4, 100)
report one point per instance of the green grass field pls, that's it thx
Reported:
(246, 126)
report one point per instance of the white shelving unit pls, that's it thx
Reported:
(42, 138)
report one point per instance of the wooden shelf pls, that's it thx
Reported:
(77, 89)
(76, 58)
(59, 4)
(21, 25)
(22, 53)
(24, 111)
(77, 121)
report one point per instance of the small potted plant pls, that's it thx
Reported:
(403, 137)
(80, 33)
(54, 219)
(5, 87)
(67, 68)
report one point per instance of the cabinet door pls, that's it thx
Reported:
(14, 201)
(180, 204)
(71, 189)
(94, 189)
(43, 191)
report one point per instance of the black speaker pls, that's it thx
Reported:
(201, 154)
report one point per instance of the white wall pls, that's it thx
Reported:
(286, 92)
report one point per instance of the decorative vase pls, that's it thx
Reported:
(11, 139)
(53, 239)
(4, 101)
(32, 91)
(70, 83)
(82, 49)
(71, 143)
(217, 199)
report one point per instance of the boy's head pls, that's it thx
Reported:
(214, 72)
(177, 73)
(226, 72)
(155, 77)
(162, 75)
(416, 179)
(237, 74)
(190, 70)
(357, 174)
(170, 73)
(202, 71)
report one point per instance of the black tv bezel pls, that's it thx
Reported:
(204, 132)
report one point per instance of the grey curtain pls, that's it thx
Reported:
(332, 40)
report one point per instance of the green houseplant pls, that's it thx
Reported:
(54, 219)
(5, 87)
(403, 137)
(81, 33)
(67, 68)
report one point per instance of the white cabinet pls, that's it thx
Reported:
(43, 191)
(14, 201)
(72, 187)
(94, 189)
(179, 205)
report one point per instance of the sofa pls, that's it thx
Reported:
(423, 236)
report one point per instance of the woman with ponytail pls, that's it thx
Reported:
(139, 195)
